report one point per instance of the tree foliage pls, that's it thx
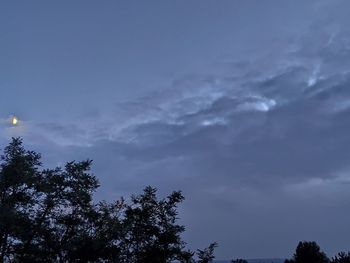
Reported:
(341, 257)
(308, 252)
(207, 255)
(239, 260)
(48, 215)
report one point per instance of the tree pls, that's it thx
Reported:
(44, 214)
(48, 215)
(150, 233)
(206, 255)
(308, 252)
(341, 257)
(18, 195)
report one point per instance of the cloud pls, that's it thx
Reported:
(278, 120)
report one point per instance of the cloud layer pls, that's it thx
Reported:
(260, 148)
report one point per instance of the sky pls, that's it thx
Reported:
(242, 105)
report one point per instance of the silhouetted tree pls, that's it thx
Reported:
(206, 255)
(239, 260)
(48, 215)
(342, 257)
(150, 232)
(18, 194)
(308, 252)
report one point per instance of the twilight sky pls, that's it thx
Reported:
(242, 105)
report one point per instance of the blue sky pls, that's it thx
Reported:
(243, 105)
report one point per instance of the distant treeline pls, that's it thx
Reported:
(48, 215)
(310, 252)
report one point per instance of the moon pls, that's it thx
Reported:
(14, 120)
